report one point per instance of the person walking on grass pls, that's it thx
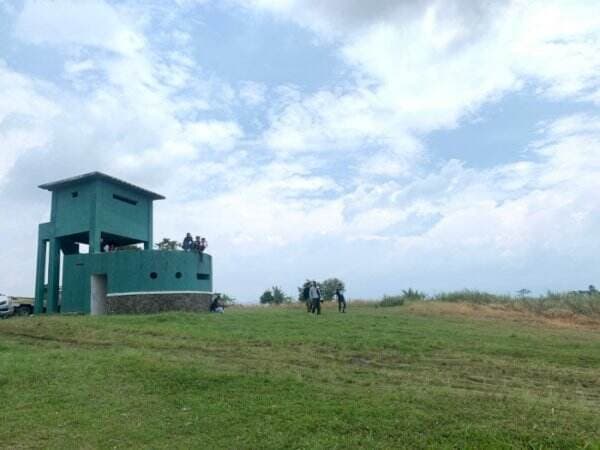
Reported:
(315, 298)
(341, 301)
(306, 298)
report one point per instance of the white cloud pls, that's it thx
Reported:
(253, 93)
(218, 135)
(77, 67)
(83, 22)
(511, 209)
(24, 116)
(328, 121)
(427, 65)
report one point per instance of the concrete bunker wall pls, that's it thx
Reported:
(136, 276)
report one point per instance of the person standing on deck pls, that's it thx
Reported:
(196, 244)
(187, 243)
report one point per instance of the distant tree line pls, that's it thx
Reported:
(274, 296)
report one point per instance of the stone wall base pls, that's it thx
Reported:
(156, 303)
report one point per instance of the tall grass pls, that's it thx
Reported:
(587, 304)
(398, 300)
(552, 303)
(474, 297)
(391, 300)
(576, 303)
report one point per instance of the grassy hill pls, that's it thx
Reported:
(429, 375)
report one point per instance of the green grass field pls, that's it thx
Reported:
(280, 378)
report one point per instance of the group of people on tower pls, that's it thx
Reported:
(190, 244)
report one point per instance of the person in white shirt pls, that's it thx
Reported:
(315, 298)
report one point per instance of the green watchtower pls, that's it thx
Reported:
(106, 213)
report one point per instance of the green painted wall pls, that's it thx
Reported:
(70, 214)
(121, 218)
(130, 272)
(92, 206)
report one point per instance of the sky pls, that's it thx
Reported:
(438, 145)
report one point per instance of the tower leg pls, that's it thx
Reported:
(95, 241)
(40, 275)
(53, 276)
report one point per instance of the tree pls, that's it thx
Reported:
(266, 298)
(307, 284)
(329, 286)
(279, 296)
(523, 292)
(274, 295)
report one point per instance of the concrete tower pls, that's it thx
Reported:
(99, 210)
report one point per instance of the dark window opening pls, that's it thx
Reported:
(203, 276)
(75, 194)
(178, 275)
(125, 199)
(154, 275)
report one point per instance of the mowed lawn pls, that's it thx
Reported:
(280, 378)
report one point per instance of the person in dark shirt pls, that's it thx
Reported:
(306, 298)
(215, 306)
(341, 301)
(187, 243)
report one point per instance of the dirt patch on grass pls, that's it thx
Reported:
(556, 318)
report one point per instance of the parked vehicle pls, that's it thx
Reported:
(18, 306)
(23, 306)
(6, 306)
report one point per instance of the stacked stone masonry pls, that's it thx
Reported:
(156, 303)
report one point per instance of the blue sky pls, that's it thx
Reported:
(432, 144)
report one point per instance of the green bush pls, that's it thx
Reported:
(413, 294)
(392, 300)
(399, 300)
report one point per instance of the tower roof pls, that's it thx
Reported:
(93, 176)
